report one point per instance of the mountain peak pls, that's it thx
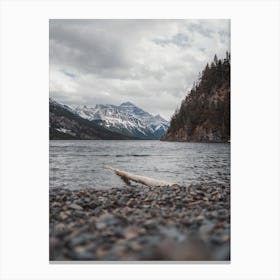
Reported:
(127, 119)
(159, 117)
(127, 104)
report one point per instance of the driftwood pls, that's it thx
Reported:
(126, 176)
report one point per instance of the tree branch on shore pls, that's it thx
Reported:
(150, 182)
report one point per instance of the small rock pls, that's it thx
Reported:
(131, 232)
(62, 216)
(56, 204)
(75, 206)
(81, 239)
(100, 225)
(80, 214)
(132, 223)
(97, 210)
(59, 227)
(134, 245)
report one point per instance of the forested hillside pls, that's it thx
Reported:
(204, 114)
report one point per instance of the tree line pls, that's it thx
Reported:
(207, 104)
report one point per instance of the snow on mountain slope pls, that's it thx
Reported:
(54, 103)
(127, 119)
(65, 124)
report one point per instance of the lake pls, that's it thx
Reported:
(80, 164)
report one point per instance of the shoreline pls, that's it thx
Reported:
(178, 223)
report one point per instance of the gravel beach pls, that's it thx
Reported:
(139, 223)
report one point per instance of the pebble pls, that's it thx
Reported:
(141, 223)
(131, 232)
(75, 206)
(62, 216)
(100, 225)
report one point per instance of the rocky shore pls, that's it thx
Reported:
(139, 223)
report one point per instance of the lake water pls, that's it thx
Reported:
(80, 164)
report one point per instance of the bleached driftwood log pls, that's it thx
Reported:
(126, 176)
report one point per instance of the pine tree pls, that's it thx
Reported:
(199, 109)
(215, 59)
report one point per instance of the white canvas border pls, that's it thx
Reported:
(255, 138)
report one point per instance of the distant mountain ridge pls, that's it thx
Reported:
(126, 119)
(65, 124)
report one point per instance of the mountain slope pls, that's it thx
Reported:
(66, 125)
(126, 119)
(204, 115)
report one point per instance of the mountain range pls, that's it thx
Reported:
(126, 121)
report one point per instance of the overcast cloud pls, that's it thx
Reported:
(151, 63)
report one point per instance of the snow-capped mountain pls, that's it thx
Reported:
(65, 124)
(126, 119)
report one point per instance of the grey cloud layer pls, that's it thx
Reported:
(151, 63)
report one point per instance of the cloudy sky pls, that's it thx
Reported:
(151, 63)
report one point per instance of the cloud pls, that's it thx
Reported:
(151, 63)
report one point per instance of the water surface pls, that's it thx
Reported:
(80, 164)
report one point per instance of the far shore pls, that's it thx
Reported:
(214, 142)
